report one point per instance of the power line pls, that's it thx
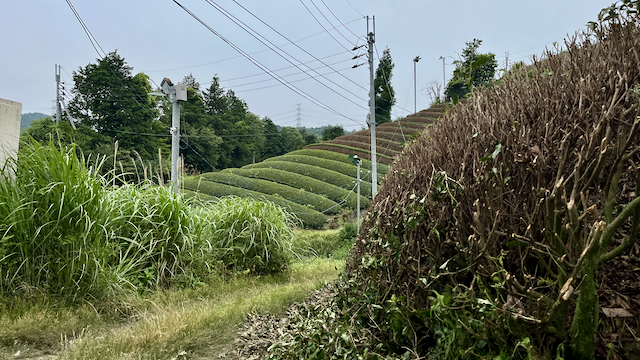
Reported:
(334, 28)
(254, 53)
(291, 42)
(258, 37)
(259, 65)
(356, 10)
(334, 15)
(325, 29)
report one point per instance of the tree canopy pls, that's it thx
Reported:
(331, 132)
(473, 69)
(217, 129)
(384, 93)
(109, 99)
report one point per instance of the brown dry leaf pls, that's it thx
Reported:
(616, 312)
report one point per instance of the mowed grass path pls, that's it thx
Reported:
(197, 323)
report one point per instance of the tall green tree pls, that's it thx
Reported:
(291, 139)
(273, 141)
(384, 94)
(473, 69)
(200, 144)
(241, 131)
(331, 132)
(109, 99)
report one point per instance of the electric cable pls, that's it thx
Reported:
(262, 67)
(334, 28)
(325, 29)
(253, 33)
(291, 42)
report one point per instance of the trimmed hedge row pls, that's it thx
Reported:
(325, 154)
(328, 176)
(349, 150)
(395, 136)
(309, 184)
(380, 142)
(298, 196)
(309, 217)
(364, 146)
(343, 168)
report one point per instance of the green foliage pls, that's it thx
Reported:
(308, 217)
(298, 196)
(341, 167)
(325, 175)
(229, 117)
(331, 155)
(26, 119)
(330, 243)
(110, 100)
(252, 235)
(331, 132)
(201, 145)
(380, 155)
(66, 232)
(385, 96)
(309, 184)
(472, 70)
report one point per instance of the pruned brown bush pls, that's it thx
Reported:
(498, 223)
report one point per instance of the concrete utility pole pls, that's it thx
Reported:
(358, 163)
(506, 62)
(415, 85)
(371, 39)
(177, 93)
(444, 82)
(58, 110)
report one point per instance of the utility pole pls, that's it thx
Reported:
(58, 110)
(371, 39)
(177, 93)
(415, 85)
(506, 62)
(298, 118)
(444, 83)
(358, 163)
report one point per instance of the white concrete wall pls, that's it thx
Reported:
(10, 114)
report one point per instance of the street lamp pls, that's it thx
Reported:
(177, 92)
(444, 84)
(415, 86)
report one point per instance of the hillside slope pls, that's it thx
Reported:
(320, 179)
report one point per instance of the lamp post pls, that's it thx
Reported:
(444, 84)
(415, 86)
(177, 92)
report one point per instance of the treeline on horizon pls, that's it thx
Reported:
(116, 117)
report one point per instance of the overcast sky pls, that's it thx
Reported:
(159, 38)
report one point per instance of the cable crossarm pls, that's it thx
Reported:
(262, 67)
(299, 47)
(279, 51)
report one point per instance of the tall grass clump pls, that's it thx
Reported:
(252, 236)
(157, 234)
(50, 221)
(66, 231)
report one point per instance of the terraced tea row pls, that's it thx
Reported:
(319, 179)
